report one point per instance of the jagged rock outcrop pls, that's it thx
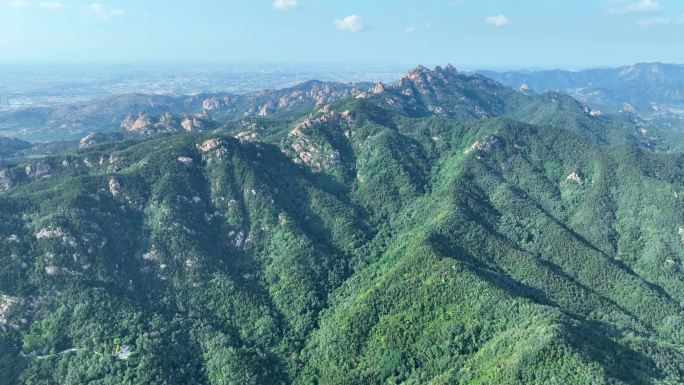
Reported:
(192, 123)
(138, 124)
(5, 179)
(144, 124)
(92, 139)
(36, 170)
(114, 187)
(216, 103)
(574, 177)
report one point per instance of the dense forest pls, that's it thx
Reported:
(443, 230)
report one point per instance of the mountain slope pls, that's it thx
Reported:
(9, 146)
(363, 242)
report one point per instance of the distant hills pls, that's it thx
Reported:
(644, 87)
(653, 93)
(10, 146)
(72, 122)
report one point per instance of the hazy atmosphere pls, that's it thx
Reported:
(484, 33)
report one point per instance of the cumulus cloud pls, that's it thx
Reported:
(640, 6)
(51, 5)
(105, 12)
(352, 23)
(498, 20)
(652, 22)
(284, 5)
(18, 3)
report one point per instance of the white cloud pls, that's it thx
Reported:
(640, 6)
(284, 5)
(48, 5)
(18, 3)
(97, 8)
(410, 29)
(51, 5)
(105, 12)
(498, 20)
(652, 22)
(352, 23)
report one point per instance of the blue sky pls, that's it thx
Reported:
(468, 33)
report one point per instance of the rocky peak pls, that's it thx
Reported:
(378, 88)
(424, 78)
(417, 73)
(447, 70)
(136, 123)
(193, 123)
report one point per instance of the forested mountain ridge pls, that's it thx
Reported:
(652, 91)
(437, 231)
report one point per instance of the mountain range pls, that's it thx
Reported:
(445, 229)
(74, 121)
(646, 88)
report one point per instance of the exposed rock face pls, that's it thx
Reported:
(144, 124)
(92, 139)
(50, 232)
(215, 103)
(378, 88)
(6, 303)
(264, 110)
(209, 145)
(37, 169)
(114, 187)
(5, 179)
(317, 154)
(192, 123)
(483, 145)
(574, 177)
(246, 136)
(136, 123)
(185, 160)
